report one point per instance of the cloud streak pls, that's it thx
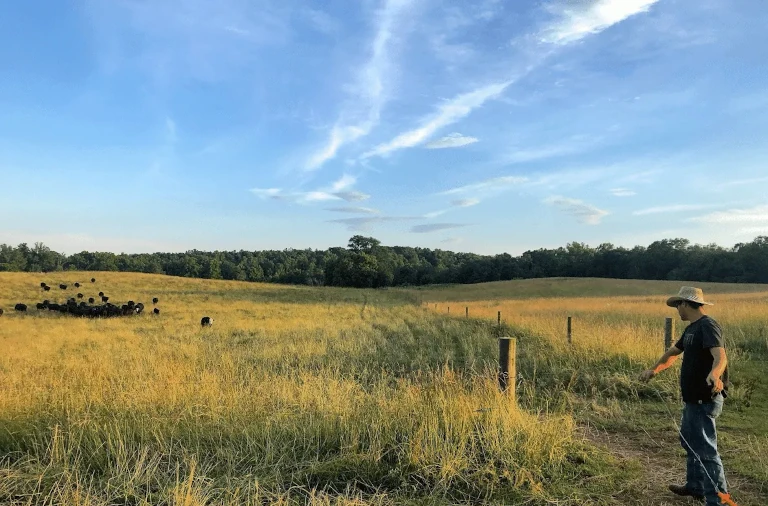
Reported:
(577, 20)
(370, 92)
(447, 113)
(572, 24)
(454, 140)
(583, 212)
(758, 214)
(672, 209)
(435, 227)
(496, 183)
(353, 210)
(365, 223)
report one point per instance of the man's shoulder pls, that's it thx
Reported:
(708, 321)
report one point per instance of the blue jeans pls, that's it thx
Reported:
(698, 429)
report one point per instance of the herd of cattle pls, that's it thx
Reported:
(92, 310)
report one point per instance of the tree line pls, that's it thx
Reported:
(365, 263)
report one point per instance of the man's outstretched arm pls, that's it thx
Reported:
(664, 362)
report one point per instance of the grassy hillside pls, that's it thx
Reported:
(571, 287)
(303, 395)
(613, 338)
(294, 396)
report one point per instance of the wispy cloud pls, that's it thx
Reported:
(622, 192)
(353, 210)
(352, 196)
(365, 223)
(741, 182)
(454, 140)
(676, 208)
(362, 112)
(435, 227)
(576, 20)
(496, 183)
(583, 212)
(757, 214)
(452, 240)
(574, 145)
(447, 113)
(338, 190)
(465, 202)
(572, 24)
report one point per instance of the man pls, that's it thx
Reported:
(703, 383)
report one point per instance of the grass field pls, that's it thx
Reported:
(331, 396)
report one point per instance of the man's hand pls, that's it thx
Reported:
(646, 375)
(716, 383)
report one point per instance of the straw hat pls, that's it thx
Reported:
(688, 293)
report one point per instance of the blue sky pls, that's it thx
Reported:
(487, 126)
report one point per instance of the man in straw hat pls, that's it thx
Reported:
(703, 379)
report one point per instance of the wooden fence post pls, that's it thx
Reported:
(668, 329)
(449, 309)
(466, 311)
(570, 335)
(507, 365)
(498, 319)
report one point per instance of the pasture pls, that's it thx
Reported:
(302, 395)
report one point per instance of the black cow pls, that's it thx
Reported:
(101, 294)
(155, 300)
(93, 280)
(139, 308)
(47, 288)
(77, 285)
(104, 299)
(91, 300)
(155, 311)
(53, 307)
(1, 311)
(43, 285)
(20, 307)
(63, 287)
(80, 295)
(40, 306)
(206, 321)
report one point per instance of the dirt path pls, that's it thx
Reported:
(663, 464)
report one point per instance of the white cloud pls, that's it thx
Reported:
(353, 210)
(435, 214)
(365, 223)
(581, 18)
(758, 214)
(622, 192)
(353, 196)
(364, 109)
(435, 227)
(266, 192)
(343, 183)
(465, 202)
(583, 212)
(448, 113)
(740, 182)
(574, 145)
(496, 183)
(454, 140)
(452, 240)
(673, 209)
(574, 23)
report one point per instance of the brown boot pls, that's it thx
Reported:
(685, 491)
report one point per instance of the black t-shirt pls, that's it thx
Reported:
(696, 341)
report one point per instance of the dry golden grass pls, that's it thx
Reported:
(294, 396)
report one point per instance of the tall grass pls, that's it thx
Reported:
(294, 396)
